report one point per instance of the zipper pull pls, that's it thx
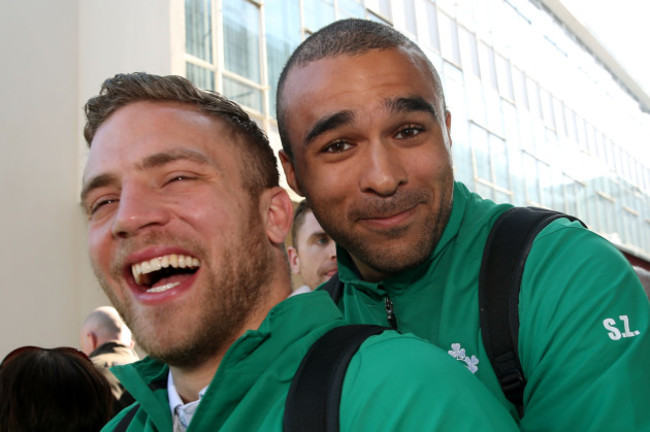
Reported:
(390, 313)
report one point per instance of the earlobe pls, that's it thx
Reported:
(289, 172)
(279, 214)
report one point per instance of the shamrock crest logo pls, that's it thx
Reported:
(459, 354)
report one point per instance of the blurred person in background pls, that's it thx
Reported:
(107, 340)
(313, 254)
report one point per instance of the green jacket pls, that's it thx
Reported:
(584, 337)
(393, 383)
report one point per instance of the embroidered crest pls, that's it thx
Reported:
(459, 354)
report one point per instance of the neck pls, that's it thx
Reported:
(368, 273)
(190, 381)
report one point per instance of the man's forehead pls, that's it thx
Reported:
(309, 226)
(146, 134)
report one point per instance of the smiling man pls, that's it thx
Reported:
(313, 254)
(186, 231)
(366, 139)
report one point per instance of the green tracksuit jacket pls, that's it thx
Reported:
(393, 383)
(584, 337)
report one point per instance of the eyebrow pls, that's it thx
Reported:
(393, 105)
(163, 158)
(329, 123)
(410, 104)
(96, 183)
(319, 233)
(153, 161)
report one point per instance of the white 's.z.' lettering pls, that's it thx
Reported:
(615, 333)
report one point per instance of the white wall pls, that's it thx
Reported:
(55, 54)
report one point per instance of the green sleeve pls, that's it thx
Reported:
(402, 383)
(584, 338)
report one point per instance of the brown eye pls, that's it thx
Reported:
(409, 132)
(337, 147)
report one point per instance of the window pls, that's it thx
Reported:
(449, 39)
(491, 163)
(547, 109)
(380, 7)
(317, 13)
(486, 59)
(198, 29)
(242, 79)
(469, 52)
(504, 77)
(521, 91)
(534, 99)
(283, 35)
(532, 180)
(350, 9)
(560, 121)
(409, 17)
(433, 40)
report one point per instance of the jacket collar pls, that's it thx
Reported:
(250, 355)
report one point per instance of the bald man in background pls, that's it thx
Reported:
(106, 339)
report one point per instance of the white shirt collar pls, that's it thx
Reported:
(174, 398)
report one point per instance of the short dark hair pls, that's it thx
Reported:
(52, 389)
(299, 215)
(350, 36)
(260, 170)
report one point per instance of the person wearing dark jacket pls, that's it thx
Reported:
(107, 341)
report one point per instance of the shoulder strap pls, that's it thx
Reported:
(504, 257)
(315, 393)
(127, 419)
(334, 287)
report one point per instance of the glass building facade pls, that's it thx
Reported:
(537, 119)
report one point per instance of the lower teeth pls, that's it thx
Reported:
(163, 287)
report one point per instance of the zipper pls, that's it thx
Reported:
(390, 313)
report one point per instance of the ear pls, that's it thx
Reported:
(89, 342)
(294, 259)
(277, 214)
(289, 172)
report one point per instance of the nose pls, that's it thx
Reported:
(331, 250)
(382, 171)
(138, 209)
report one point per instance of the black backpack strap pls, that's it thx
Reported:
(334, 287)
(127, 419)
(315, 393)
(504, 257)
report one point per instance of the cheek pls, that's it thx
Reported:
(98, 243)
(432, 165)
(330, 182)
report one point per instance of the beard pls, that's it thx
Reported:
(396, 250)
(211, 322)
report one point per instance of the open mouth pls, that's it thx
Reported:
(163, 273)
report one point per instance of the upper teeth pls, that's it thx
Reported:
(173, 260)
